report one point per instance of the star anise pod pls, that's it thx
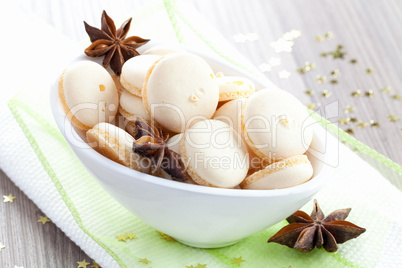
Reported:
(306, 232)
(113, 44)
(151, 143)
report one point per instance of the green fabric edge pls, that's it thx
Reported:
(172, 10)
(14, 105)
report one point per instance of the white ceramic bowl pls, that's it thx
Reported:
(194, 215)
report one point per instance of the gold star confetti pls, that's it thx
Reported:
(312, 106)
(309, 92)
(187, 266)
(274, 61)
(95, 265)
(396, 97)
(43, 220)
(130, 236)
(329, 35)
(319, 38)
(144, 260)
(284, 74)
(353, 61)
(361, 125)
(121, 237)
(307, 67)
(166, 237)
(320, 79)
(2, 246)
(83, 264)
(282, 45)
(344, 121)
(349, 109)
(369, 93)
(238, 261)
(9, 198)
(335, 73)
(333, 81)
(338, 53)
(323, 54)
(201, 265)
(393, 118)
(386, 89)
(326, 94)
(353, 119)
(350, 131)
(369, 71)
(265, 67)
(374, 123)
(356, 93)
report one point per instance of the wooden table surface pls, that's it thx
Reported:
(368, 31)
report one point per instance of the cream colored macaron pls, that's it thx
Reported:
(234, 87)
(132, 106)
(214, 154)
(134, 71)
(174, 142)
(180, 89)
(289, 172)
(113, 143)
(162, 50)
(230, 113)
(276, 125)
(88, 94)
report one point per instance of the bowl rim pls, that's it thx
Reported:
(314, 184)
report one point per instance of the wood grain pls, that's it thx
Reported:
(368, 29)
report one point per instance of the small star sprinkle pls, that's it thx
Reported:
(333, 81)
(361, 125)
(95, 265)
(319, 38)
(166, 237)
(83, 264)
(307, 67)
(189, 266)
(312, 106)
(43, 220)
(396, 97)
(323, 54)
(374, 123)
(201, 266)
(241, 38)
(130, 236)
(353, 61)
(293, 34)
(386, 89)
(15, 266)
(9, 198)
(284, 74)
(144, 260)
(2, 246)
(335, 73)
(344, 121)
(309, 92)
(338, 53)
(353, 120)
(320, 79)
(265, 67)
(274, 61)
(356, 93)
(282, 45)
(238, 261)
(393, 118)
(329, 35)
(349, 109)
(369, 71)
(121, 237)
(369, 93)
(350, 131)
(326, 94)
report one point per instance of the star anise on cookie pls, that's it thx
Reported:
(151, 143)
(113, 43)
(306, 232)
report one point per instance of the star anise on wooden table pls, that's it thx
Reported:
(113, 43)
(151, 143)
(306, 232)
